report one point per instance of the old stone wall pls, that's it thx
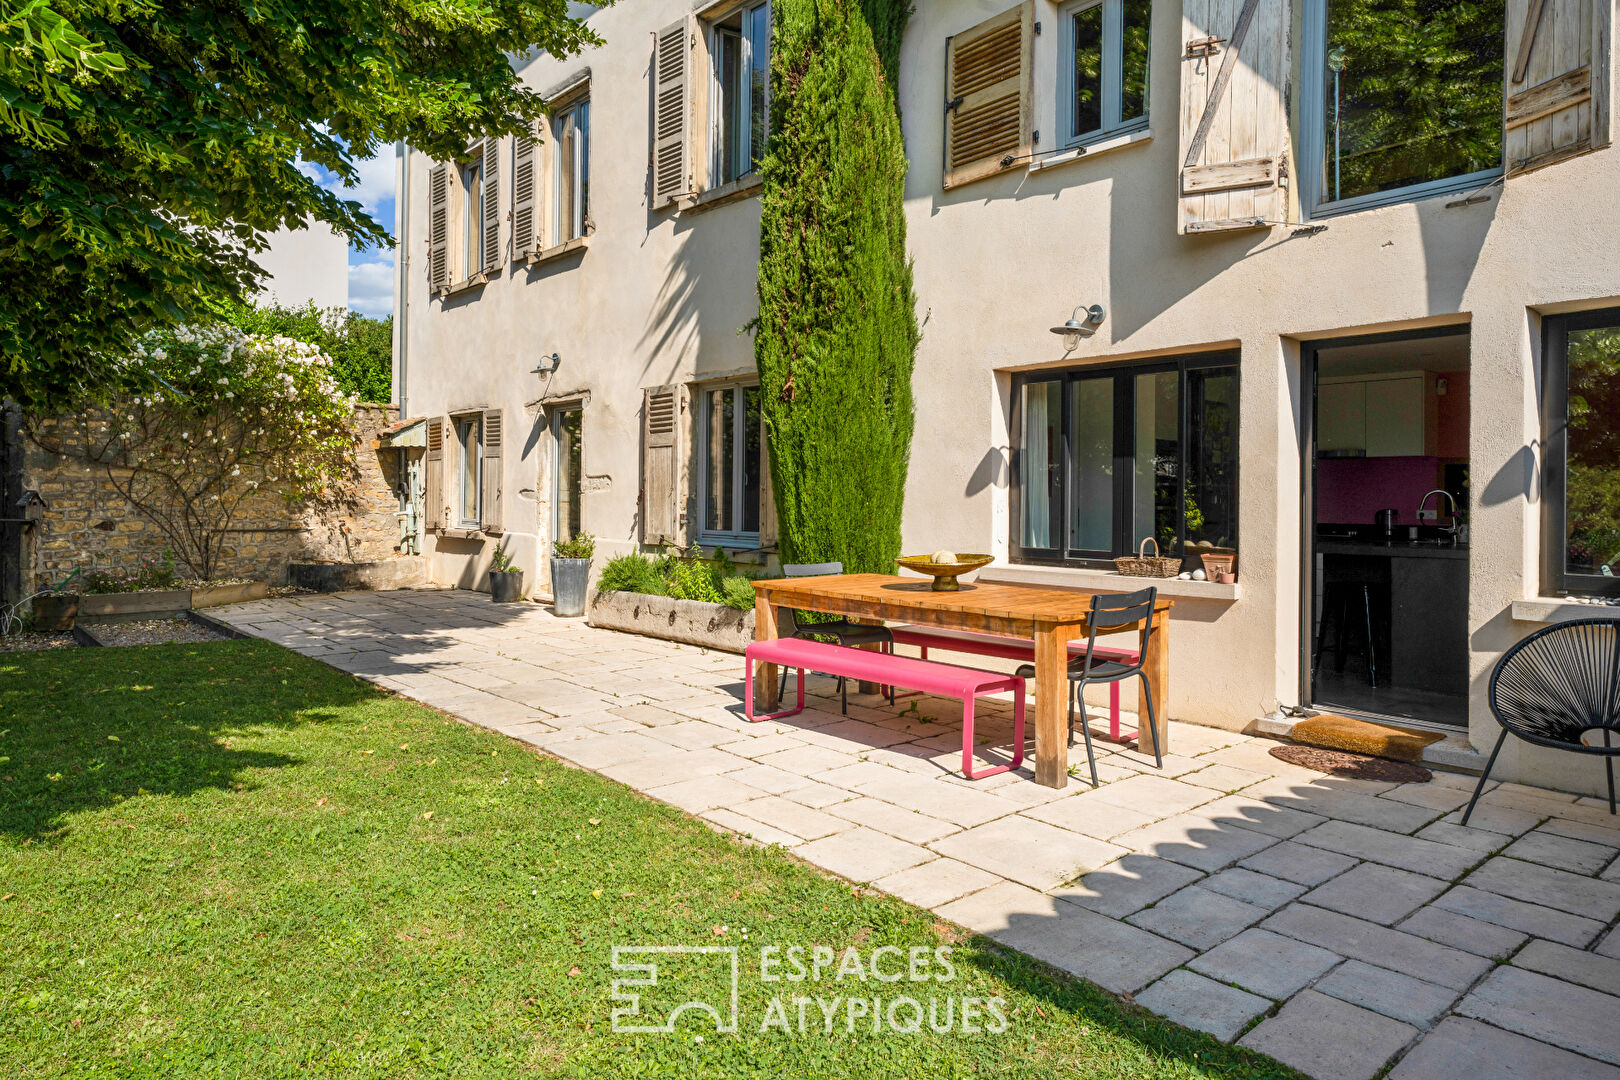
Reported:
(88, 525)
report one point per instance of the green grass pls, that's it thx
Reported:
(219, 861)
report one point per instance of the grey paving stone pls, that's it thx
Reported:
(704, 793)
(1460, 1048)
(1128, 884)
(1606, 834)
(1258, 815)
(1480, 840)
(1380, 894)
(1153, 795)
(1518, 915)
(1109, 953)
(862, 855)
(1038, 855)
(935, 883)
(792, 817)
(1253, 888)
(1559, 889)
(1462, 932)
(748, 829)
(1565, 853)
(1298, 863)
(947, 802)
(1197, 917)
(1330, 1039)
(1320, 797)
(1548, 1009)
(1378, 945)
(1194, 840)
(895, 820)
(1610, 945)
(1398, 996)
(1203, 1004)
(1266, 963)
(1572, 965)
(1499, 819)
(1091, 816)
(1391, 849)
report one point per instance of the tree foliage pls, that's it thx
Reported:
(148, 147)
(360, 347)
(224, 416)
(837, 329)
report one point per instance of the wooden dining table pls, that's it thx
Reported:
(1050, 617)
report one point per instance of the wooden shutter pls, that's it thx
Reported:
(988, 79)
(439, 226)
(672, 61)
(490, 493)
(492, 204)
(1234, 125)
(660, 464)
(433, 507)
(1557, 63)
(525, 181)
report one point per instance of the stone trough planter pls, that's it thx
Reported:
(162, 603)
(690, 622)
(407, 572)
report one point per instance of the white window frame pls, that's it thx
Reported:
(745, 152)
(1314, 136)
(732, 537)
(1113, 75)
(472, 214)
(463, 519)
(580, 107)
(558, 468)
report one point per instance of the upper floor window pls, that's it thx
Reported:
(464, 221)
(1406, 96)
(471, 174)
(1106, 456)
(740, 53)
(1581, 491)
(571, 171)
(1102, 68)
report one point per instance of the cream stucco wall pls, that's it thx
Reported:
(660, 298)
(307, 265)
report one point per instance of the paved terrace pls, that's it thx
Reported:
(1334, 924)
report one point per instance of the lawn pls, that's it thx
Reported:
(228, 860)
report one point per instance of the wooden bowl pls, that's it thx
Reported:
(945, 574)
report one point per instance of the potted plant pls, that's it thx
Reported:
(570, 573)
(505, 578)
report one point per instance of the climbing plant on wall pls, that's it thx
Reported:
(837, 329)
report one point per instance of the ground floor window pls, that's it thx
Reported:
(469, 442)
(1581, 495)
(1106, 456)
(567, 429)
(730, 436)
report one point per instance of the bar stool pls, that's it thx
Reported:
(1340, 599)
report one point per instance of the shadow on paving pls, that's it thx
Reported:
(111, 724)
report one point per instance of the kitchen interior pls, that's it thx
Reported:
(1389, 636)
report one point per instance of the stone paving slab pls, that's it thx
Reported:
(1152, 884)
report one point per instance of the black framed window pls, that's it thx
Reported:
(1581, 465)
(1104, 456)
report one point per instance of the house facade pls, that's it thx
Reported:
(1341, 300)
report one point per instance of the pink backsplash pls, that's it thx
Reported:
(1349, 491)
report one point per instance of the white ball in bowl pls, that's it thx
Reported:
(943, 555)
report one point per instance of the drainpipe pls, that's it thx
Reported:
(402, 275)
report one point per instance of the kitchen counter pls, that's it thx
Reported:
(1400, 549)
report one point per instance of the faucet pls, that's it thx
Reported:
(1456, 524)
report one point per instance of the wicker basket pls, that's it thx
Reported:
(1143, 565)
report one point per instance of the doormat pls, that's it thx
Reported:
(1353, 766)
(1363, 737)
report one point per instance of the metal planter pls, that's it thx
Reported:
(569, 580)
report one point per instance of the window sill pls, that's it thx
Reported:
(558, 251)
(1091, 150)
(1107, 580)
(1553, 609)
(735, 191)
(462, 534)
(463, 286)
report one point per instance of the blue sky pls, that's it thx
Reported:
(371, 273)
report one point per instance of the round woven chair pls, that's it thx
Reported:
(1560, 688)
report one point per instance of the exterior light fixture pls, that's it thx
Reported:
(1073, 330)
(547, 365)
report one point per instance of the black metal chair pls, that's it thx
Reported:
(1108, 612)
(1557, 687)
(842, 631)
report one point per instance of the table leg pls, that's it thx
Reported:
(1157, 666)
(767, 695)
(1051, 705)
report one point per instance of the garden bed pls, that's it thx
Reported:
(690, 622)
(160, 603)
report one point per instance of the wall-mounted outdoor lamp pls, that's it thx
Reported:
(1073, 330)
(548, 364)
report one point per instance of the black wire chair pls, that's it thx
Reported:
(841, 631)
(1557, 687)
(1109, 612)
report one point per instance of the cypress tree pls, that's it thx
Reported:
(837, 330)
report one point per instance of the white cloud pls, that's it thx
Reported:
(374, 188)
(371, 283)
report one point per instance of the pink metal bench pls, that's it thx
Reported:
(890, 670)
(1012, 648)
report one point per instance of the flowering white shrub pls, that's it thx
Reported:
(213, 416)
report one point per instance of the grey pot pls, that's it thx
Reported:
(505, 586)
(569, 578)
